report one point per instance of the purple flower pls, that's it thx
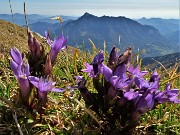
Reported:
(120, 84)
(16, 56)
(117, 79)
(44, 86)
(172, 94)
(136, 71)
(142, 104)
(48, 66)
(113, 57)
(21, 72)
(120, 71)
(89, 70)
(125, 57)
(154, 77)
(97, 63)
(48, 38)
(131, 94)
(34, 45)
(32, 48)
(107, 72)
(37, 47)
(99, 58)
(137, 75)
(58, 44)
(160, 97)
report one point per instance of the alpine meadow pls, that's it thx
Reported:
(88, 74)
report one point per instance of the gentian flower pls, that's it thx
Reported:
(137, 75)
(58, 44)
(97, 63)
(16, 56)
(37, 46)
(154, 77)
(48, 66)
(172, 94)
(142, 104)
(21, 72)
(34, 45)
(44, 86)
(32, 48)
(136, 71)
(113, 57)
(125, 57)
(129, 95)
(89, 70)
(117, 79)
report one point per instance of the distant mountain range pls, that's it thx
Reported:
(12, 35)
(120, 31)
(169, 28)
(41, 27)
(107, 28)
(167, 61)
(165, 26)
(19, 19)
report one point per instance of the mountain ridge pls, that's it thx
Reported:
(109, 29)
(16, 36)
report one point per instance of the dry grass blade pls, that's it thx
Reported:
(26, 16)
(104, 47)
(89, 112)
(173, 73)
(161, 65)
(178, 76)
(76, 53)
(94, 49)
(14, 115)
(17, 124)
(11, 10)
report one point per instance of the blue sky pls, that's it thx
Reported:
(128, 8)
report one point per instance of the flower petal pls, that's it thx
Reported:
(34, 80)
(14, 68)
(58, 90)
(130, 94)
(16, 55)
(107, 72)
(120, 71)
(48, 38)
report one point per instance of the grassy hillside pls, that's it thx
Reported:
(13, 35)
(65, 112)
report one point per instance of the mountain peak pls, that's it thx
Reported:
(87, 15)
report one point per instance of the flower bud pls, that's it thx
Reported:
(48, 66)
(113, 57)
(37, 46)
(30, 41)
(112, 92)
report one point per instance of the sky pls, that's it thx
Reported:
(129, 8)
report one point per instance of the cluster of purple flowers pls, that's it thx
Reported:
(123, 92)
(37, 72)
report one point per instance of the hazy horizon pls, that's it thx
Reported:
(134, 9)
(94, 15)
